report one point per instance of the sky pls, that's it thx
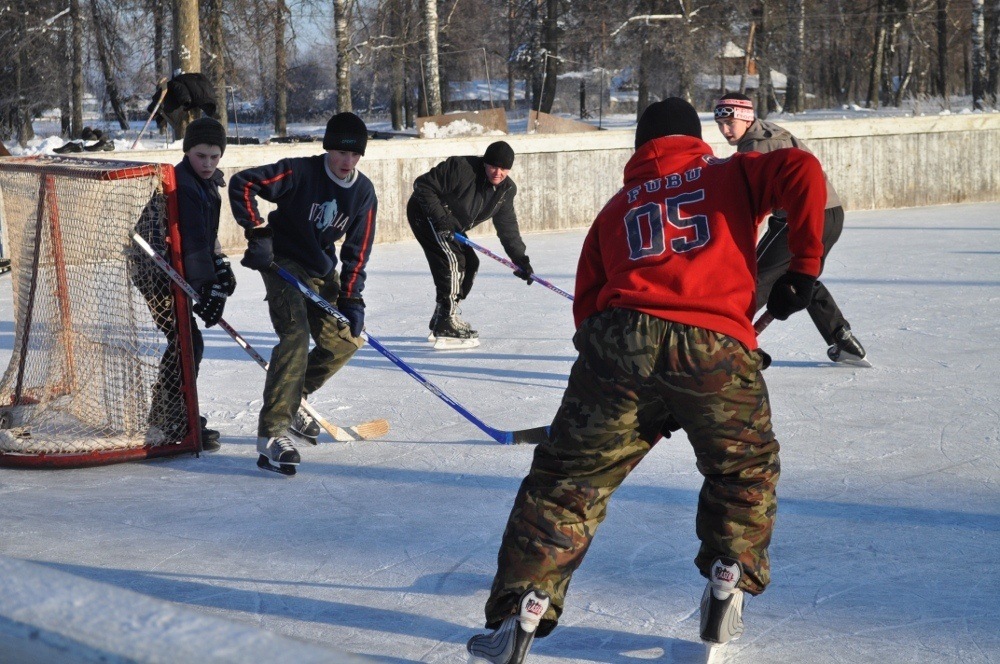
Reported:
(889, 498)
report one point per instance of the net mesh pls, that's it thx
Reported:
(94, 365)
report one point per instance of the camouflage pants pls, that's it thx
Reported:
(295, 371)
(633, 370)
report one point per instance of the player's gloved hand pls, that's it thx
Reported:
(524, 270)
(670, 426)
(447, 227)
(353, 309)
(260, 252)
(792, 292)
(211, 302)
(224, 274)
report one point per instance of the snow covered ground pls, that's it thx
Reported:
(888, 523)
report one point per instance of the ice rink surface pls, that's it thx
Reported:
(889, 501)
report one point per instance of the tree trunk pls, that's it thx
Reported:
(100, 36)
(794, 92)
(187, 49)
(993, 54)
(511, 45)
(874, 73)
(397, 104)
(941, 21)
(765, 90)
(978, 54)
(550, 44)
(217, 65)
(343, 39)
(76, 77)
(280, 70)
(432, 71)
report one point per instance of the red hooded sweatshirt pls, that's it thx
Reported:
(678, 241)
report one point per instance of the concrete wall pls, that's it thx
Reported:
(564, 180)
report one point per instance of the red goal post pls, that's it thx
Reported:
(102, 357)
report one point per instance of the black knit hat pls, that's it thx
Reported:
(665, 118)
(499, 154)
(347, 132)
(205, 130)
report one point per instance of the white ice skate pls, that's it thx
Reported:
(721, 606)
(510, 643)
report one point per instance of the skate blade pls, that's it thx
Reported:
(853, 360)
(286, 469)
(431, 337)
(450, 343)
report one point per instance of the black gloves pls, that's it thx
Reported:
(523, 270)
(447, 227)
(670, 426)
(211, 302)
(792, 292)
(353, 309)
(260, 253)
(224, 276)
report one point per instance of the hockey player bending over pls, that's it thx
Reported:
(454, 197)
(664, 294)
(734, 115)
(320, 200)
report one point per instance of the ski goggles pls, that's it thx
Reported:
(739, 109)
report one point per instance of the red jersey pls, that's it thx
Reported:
(678, 241)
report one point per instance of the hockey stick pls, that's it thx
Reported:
(535, 435)
(159, 102)
(765, 319)
(363, 431)
(483, 250)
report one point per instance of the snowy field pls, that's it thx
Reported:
(888, 521)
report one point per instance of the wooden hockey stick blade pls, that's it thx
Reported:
(363, 431)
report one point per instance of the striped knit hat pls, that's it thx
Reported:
(734, 105)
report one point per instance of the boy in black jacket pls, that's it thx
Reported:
(320, 200)
(453, 197)
(206, 269)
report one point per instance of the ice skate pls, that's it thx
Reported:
(305, 427)
(209, 438)
(277, 454)
(721, 606)
(847, 349)
(453, 333)
(510, 643)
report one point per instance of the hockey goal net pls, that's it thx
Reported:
(101, 354)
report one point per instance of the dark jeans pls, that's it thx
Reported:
(774, 257)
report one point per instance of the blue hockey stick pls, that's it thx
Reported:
(483, 250)
(529, 436)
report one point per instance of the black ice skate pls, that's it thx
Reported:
(510, 643)
(305, 427)
(277, 450)
(209, 438)
(847, 349)
(452, 332)
(722, 605)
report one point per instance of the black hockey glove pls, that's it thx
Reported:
(670, 426)
(260, 253)
(353, 309)
(524, 270)
(224, 274)
(211, 302)
(792, 292)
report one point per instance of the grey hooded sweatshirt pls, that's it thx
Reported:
(762, 136)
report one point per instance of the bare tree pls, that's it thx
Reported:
(101, 29)
(977, 46)
(342, 37)
(76, 75)
(280, 70)
(794, 90)
(217, 57)
(432, 72)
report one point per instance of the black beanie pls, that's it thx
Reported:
(665, 118)
(499, 154)
(205, 130)
(347, 132)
